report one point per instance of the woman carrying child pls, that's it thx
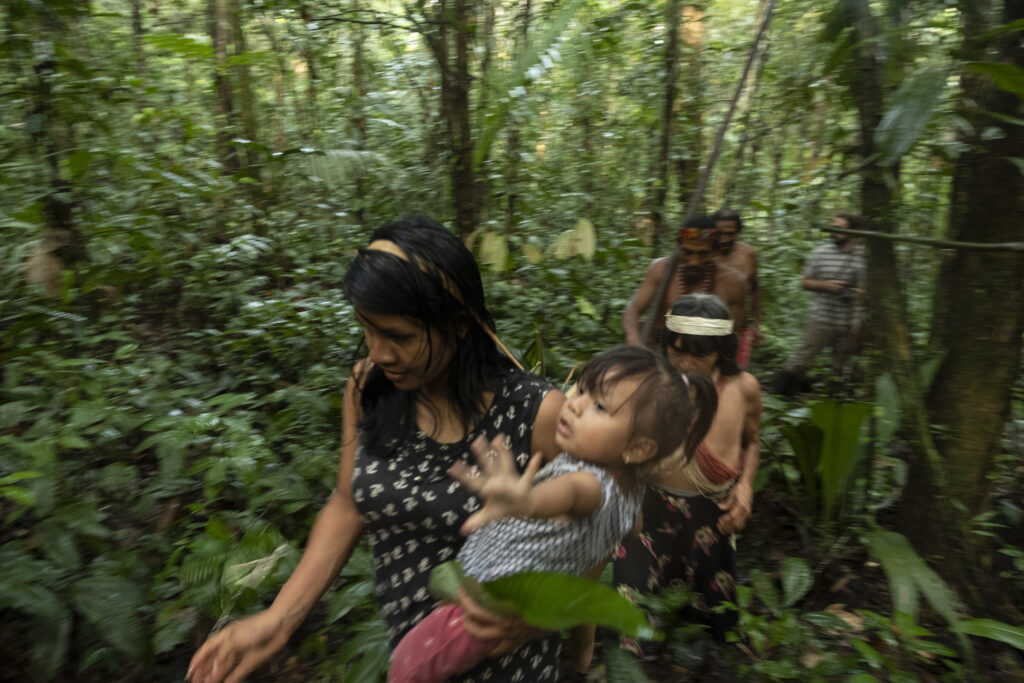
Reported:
(435, 380)
(631, 410)
(694, 506)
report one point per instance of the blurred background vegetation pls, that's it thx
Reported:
(184, 181)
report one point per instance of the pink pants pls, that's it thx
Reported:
(746, 344)
(437, 648)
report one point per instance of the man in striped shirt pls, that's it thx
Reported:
(835, 272)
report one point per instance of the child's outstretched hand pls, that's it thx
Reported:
(505, 492)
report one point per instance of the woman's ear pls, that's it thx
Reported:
(640, 450)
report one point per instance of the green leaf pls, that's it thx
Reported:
(900, 562)
(186, 46)
(622, 666)
(49, 638)
(172, 626)
(870, 654)
(796, 580)
(366, 645)
(1006, 76)
(781, 669)
(73, 441)
(552, 601)
(806, 439)
(503, 90)
(765, 590)
(18, 495)
(911, 109)
(994, 630)
(19, 476)
(494, 251)
(78, 162)
(112, 605)
(840, 424)
(887, 406)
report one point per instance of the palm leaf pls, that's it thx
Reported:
(504, 91)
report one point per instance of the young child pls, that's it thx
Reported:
(631, 410)
(695, 505)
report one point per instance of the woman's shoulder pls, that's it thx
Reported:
(517, 386)
(745, 381)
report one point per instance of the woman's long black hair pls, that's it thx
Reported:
(726, 346)
(382, 283)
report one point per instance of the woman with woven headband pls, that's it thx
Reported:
(434, 380)
(694, 507)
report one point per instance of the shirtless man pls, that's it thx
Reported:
(694, 271)
(691, 509)
(743, 257)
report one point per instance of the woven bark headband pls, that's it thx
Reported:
(702, 327)
(706, 235)
(389, 247)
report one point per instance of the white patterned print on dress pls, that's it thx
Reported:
(408, 541)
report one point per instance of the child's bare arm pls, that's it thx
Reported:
(506, 493)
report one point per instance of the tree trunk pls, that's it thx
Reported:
(455, 22)
(658, 186)
(220, 31)
(246, 106)
(137, 32)
(979, 316)
(690, 149)
(513, 140)
(358, 113)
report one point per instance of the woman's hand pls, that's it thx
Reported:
(504, 492)
(737, 507)
(509, 632)
(234, 651)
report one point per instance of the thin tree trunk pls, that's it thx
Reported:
(513, 141)
(138, 30)
(246, 106)
(312, 77)
(220, 29)
(658, 186)
(281, 80)
(690, 151)
(358, 112)
(455, 22)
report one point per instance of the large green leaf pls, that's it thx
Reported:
(900, 562)
(912, 107)
(806, 439)
(996, 630)
(840, 424)
(112, 604)
(796, 580)
(547, 600)
(909, 576)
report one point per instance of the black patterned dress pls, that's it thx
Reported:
(412, 511)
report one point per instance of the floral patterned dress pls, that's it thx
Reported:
(680, 545)
(412, 511)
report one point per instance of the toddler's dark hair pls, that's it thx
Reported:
(663, 408)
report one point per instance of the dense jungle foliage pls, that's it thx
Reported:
(183, 183)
